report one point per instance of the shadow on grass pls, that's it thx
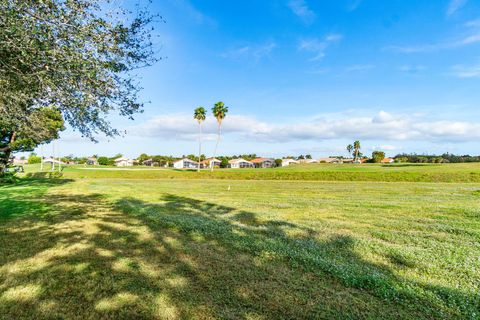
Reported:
(86, 257)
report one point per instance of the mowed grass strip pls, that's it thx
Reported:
(463, 172)
(173, 249)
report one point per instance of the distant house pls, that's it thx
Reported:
(52, 161)
(92, 161)
(240, 163)
(210, 162)
(148, 162)
(287, 162)
(185, 163)
(388, 160)
(308, 161)
(19, 162)
(347, 160)
(263, 162)
(330, 160)
(123, 162)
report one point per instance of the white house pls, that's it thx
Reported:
(123, 162)
(263, 162)
(308, 161)
(19, 162)
(240, 163)
(185, 163)
(52, 161)
(92, 161)
(287, 162)
(210, 162)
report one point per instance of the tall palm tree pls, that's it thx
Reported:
(349, 149)
(356, 146)
(199, 114)
(219, 112)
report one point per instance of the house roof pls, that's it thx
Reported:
(209, 160)
(50, 160)
(186, 159)
(388, 160)
(259, 160)
(289, 160)
(122, 159)
(238, 160)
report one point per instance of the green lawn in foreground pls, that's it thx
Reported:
(173, 249)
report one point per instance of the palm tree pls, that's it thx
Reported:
(219, 112)
(199, 114)
(349, 149)
(356, 146)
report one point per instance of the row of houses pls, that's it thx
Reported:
(186, 163)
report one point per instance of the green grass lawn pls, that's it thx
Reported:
(462, 172)
(98, 245)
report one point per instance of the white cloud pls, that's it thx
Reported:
(454, 6)
(462, 71)
(318, 46)
(381, 126)
(252, 51)
(300, 8)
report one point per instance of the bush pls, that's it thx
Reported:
(378, 156)
(104, 161)
(278, 162)
(8, 177)
(34, 159)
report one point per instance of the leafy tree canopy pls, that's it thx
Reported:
(72, 56)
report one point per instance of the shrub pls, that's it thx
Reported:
(34, 159)
(104, 161)
(378, 156)
(7, 177)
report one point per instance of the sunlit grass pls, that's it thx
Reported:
(173, 249)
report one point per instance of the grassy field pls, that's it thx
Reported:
(102, 244)
(463, 172)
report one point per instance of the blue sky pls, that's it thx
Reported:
(308, 76)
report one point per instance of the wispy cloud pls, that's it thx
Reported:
(193, 13)
(463, 71)
(412, 69)
(354, 4)
(359, 68)
(383, 125)
(318, 46)
(251, 51)
(469, 39)
(454, 6)
(300, 9)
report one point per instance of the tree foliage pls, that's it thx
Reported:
(378, 156)
(72, 56)
(42, 125)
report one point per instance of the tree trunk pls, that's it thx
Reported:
(7, 151)
(216, 145)
(199, 146)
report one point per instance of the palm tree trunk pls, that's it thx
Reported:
(216, 145)
(199, 146)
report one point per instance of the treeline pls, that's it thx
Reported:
(444, 158)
